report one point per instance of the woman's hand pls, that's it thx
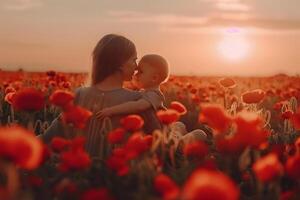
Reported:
(105, 112)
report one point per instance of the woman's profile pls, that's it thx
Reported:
(114, 61)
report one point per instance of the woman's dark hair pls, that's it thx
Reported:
(109, 54)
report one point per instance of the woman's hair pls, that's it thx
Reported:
(108, 56)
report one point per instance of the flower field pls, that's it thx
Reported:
(222, 139)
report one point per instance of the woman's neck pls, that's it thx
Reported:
(112, 82)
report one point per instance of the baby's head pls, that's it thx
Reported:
(152, 71)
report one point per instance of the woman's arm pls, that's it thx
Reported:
(124, 108)
(56, 129)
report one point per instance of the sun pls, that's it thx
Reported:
(234, 46)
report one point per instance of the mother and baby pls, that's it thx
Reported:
(114, 62)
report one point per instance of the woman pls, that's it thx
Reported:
(114, 61)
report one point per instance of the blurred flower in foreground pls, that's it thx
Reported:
(268, 168)
(248, 132)
(116, 136)
(132, 122)
(166, 187)
(28, 99)
(75, 158)
(209, 185)
(292, 167)
(196, 150)
(136, 145)
(118, 162)
(61, 98)
(253, 96)
(77, 116)
(21, 147)
(59, 144)
(215, 116)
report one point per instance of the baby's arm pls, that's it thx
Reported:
(124, 108)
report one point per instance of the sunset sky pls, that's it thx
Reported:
(198, 37)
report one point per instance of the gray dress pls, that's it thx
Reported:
(96, 130)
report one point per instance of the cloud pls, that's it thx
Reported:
(217, 19)
(20, 5)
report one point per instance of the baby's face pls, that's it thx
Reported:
(145, 76)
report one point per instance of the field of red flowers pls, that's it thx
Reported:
(236, 138)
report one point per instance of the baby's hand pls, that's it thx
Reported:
(105, 112)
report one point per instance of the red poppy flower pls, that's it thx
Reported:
(292, 167)
(205, 184)
(116, 136)
(193, 90)
(179, 107)
(278, 105)
(168, 116)
(61, 98)
(9, 97)
(77, 116)
(227, 82)
(215, 117)
(51, 73)
(249, 132)
(21, 147)
(66, 84)
(59, 144)
(118, 162)
(136, 145)
(9, 89)
(166, 187)
(97, 194)
(51, 83)
(28, 99)
(148, 139)
(267, 168)
(254, 96)
(197, 150)
(132, 122)
(249, 129)
(74, 159)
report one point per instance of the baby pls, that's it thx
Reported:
(152, 71)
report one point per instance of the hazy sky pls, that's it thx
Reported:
(204, 37)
